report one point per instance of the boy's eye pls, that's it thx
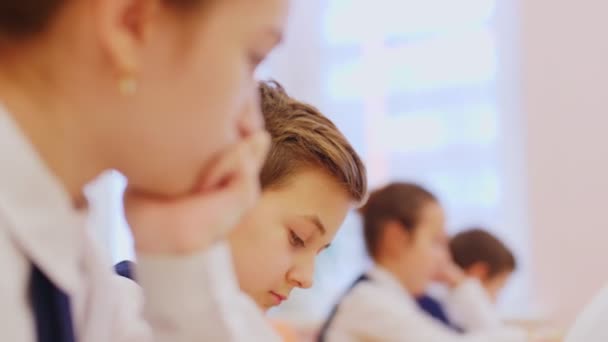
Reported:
(295, 240)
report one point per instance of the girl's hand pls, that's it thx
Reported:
(190, 224)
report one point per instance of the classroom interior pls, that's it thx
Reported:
(498, 106)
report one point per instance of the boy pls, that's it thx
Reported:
(481, 256)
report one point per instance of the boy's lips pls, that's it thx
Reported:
(278, 297)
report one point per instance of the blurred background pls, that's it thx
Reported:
(497, 106)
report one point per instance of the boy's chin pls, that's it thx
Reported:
(266, 307)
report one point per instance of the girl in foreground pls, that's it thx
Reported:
(163, 91)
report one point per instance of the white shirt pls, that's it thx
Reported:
(194, 298)
(380, 309)
(591, 325)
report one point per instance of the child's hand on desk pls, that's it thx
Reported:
(192, 223)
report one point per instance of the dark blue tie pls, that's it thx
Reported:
(51, 308)
(323, 333)
(126, 269)
(435, 309)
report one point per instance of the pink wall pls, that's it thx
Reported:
(565, 97)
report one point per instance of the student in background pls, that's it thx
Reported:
(310, 180)
(163, 91)
(482, 256)
(404, 234)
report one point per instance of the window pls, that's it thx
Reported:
(416, 87)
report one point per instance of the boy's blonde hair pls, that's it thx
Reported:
(302, 137)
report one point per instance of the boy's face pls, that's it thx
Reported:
(424, 252)
(275, 246)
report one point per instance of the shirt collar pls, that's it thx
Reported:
(39, 214)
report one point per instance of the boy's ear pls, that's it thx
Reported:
(479, 270)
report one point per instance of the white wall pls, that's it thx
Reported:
(565, 69)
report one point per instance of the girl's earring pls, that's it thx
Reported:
(127, 85)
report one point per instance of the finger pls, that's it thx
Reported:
(238, 159)
(220, 211)
(259, 149)
(225, 165)
(198, 220)
(251, 120)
